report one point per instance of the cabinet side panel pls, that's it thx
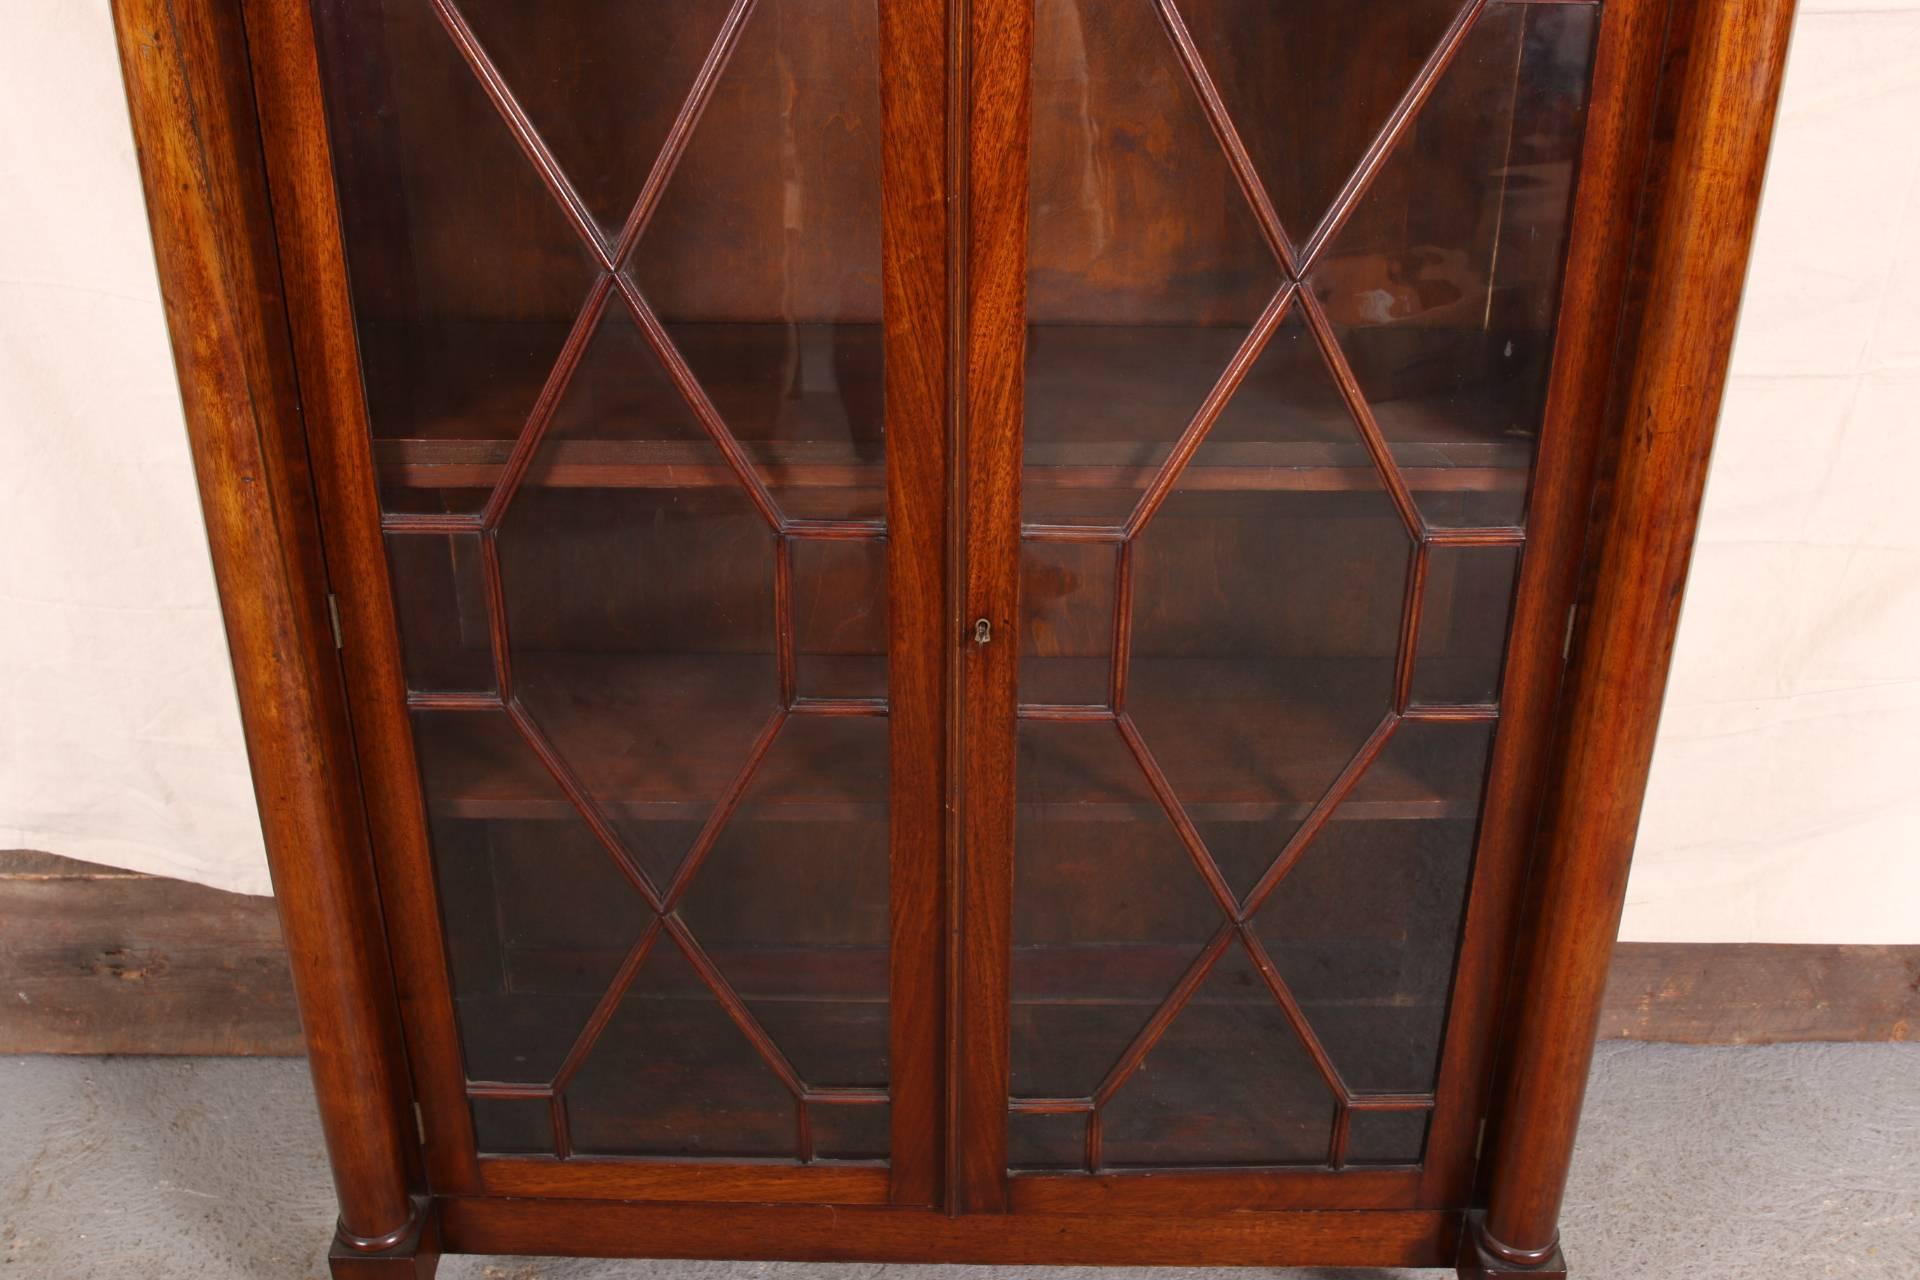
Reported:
(1694, 247)
(300, 168)
(199, 145)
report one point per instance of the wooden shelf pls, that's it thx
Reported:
(660, 737)
(809, 439)
(1303, 466)
(657, 737)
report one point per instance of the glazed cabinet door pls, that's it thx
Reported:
(616, 293)
(1292, 282)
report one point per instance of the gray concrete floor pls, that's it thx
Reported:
(1695, 1163)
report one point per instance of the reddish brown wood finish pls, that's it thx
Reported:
(923, 651)
(996, 52)
(814, 1233)
(1695, 252)
(299, 164)
(956, 109)
(207, 198)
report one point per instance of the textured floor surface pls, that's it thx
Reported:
(1708, 1164)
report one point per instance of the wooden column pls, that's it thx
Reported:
(1693, 256)
(192, 108)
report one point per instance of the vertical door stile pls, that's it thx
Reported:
(998, 55)
(914, 198)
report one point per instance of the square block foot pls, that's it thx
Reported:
(1477, 1263)
(415, 1257)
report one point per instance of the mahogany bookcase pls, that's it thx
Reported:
(991, 630)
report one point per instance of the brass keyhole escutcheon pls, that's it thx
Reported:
(983, 632)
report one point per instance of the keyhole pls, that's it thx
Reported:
(982, 632)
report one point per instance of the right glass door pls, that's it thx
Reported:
(1293, 277)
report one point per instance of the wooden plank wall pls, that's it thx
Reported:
(94, 960)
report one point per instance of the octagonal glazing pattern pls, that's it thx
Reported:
(616, 282)
(1288, 597)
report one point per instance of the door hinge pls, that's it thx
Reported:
(333, 617)
(1480, 1138)
(1566, 641)
(420, 1123)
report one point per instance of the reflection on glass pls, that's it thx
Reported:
(1146, 267)
(644, 677)
(1443, 286)
(1274, 386)
(763, 257)
(1308, 84)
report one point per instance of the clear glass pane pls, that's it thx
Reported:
(1146, 265)
(840, 617)
(1047, 1140)
(674, 1073)
(791, 902)
(1265, 629)
(850, 1132)
(537, 912)
(575, 80)
(1066, 622)
(1230, 1083)
(590, 483)
(1468, 603)
(1109, 910)
(1310, 83)
(513, 1126)
(1444, 286)
(466, 274)
(1386, 1137)
(1364, 928)
(763, 257)
(440, 605)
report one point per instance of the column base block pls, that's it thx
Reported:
(414, 1256)
(1479, 1261)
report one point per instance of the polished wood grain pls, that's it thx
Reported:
(921, 654)
(207, 198)
(949, 310)
(663, 1181)
(995, 108)
(1695, 246)
(813, 1233)
(282, 46)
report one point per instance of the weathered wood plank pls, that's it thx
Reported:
(1754, 993)
(94, 960)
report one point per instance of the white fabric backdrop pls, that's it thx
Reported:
(119, 737)
(1785, 803)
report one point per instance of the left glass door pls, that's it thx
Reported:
(616, 289)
